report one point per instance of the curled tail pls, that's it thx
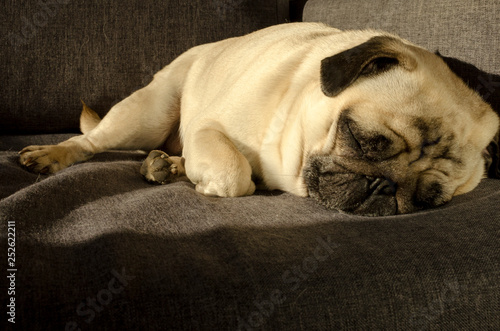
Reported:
(88, 119)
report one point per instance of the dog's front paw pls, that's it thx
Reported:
(43, 159)
(161, 168)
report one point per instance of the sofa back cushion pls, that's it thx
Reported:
(463, 29)
(55, 52)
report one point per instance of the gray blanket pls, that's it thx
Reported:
(98, 248)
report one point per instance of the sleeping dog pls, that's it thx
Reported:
(363, 121)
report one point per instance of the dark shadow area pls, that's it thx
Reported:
(250, 278)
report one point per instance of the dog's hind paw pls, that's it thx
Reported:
(161, 168)
(44, 159)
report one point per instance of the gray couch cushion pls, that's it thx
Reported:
(56, 52)
(98, 248)
(464, 29)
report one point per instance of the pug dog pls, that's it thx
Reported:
(362, 121)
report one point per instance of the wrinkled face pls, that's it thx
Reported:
(410, 135)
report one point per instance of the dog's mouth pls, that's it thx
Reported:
(337, 188)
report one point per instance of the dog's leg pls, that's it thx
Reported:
(140, 121)
(144, 120)
(216, 166)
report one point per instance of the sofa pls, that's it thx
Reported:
(96, 247)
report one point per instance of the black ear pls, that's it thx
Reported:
(377, 55)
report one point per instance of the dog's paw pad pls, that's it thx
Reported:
(160, 168)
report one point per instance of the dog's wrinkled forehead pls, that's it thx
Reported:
(432, 133)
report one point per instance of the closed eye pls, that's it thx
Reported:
(373, 145)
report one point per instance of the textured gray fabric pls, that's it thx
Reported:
(17, 142)
(99, 248)
(464, 29)
(56, 52)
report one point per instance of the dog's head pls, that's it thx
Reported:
(410, 135)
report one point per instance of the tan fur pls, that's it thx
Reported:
(88, 119)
